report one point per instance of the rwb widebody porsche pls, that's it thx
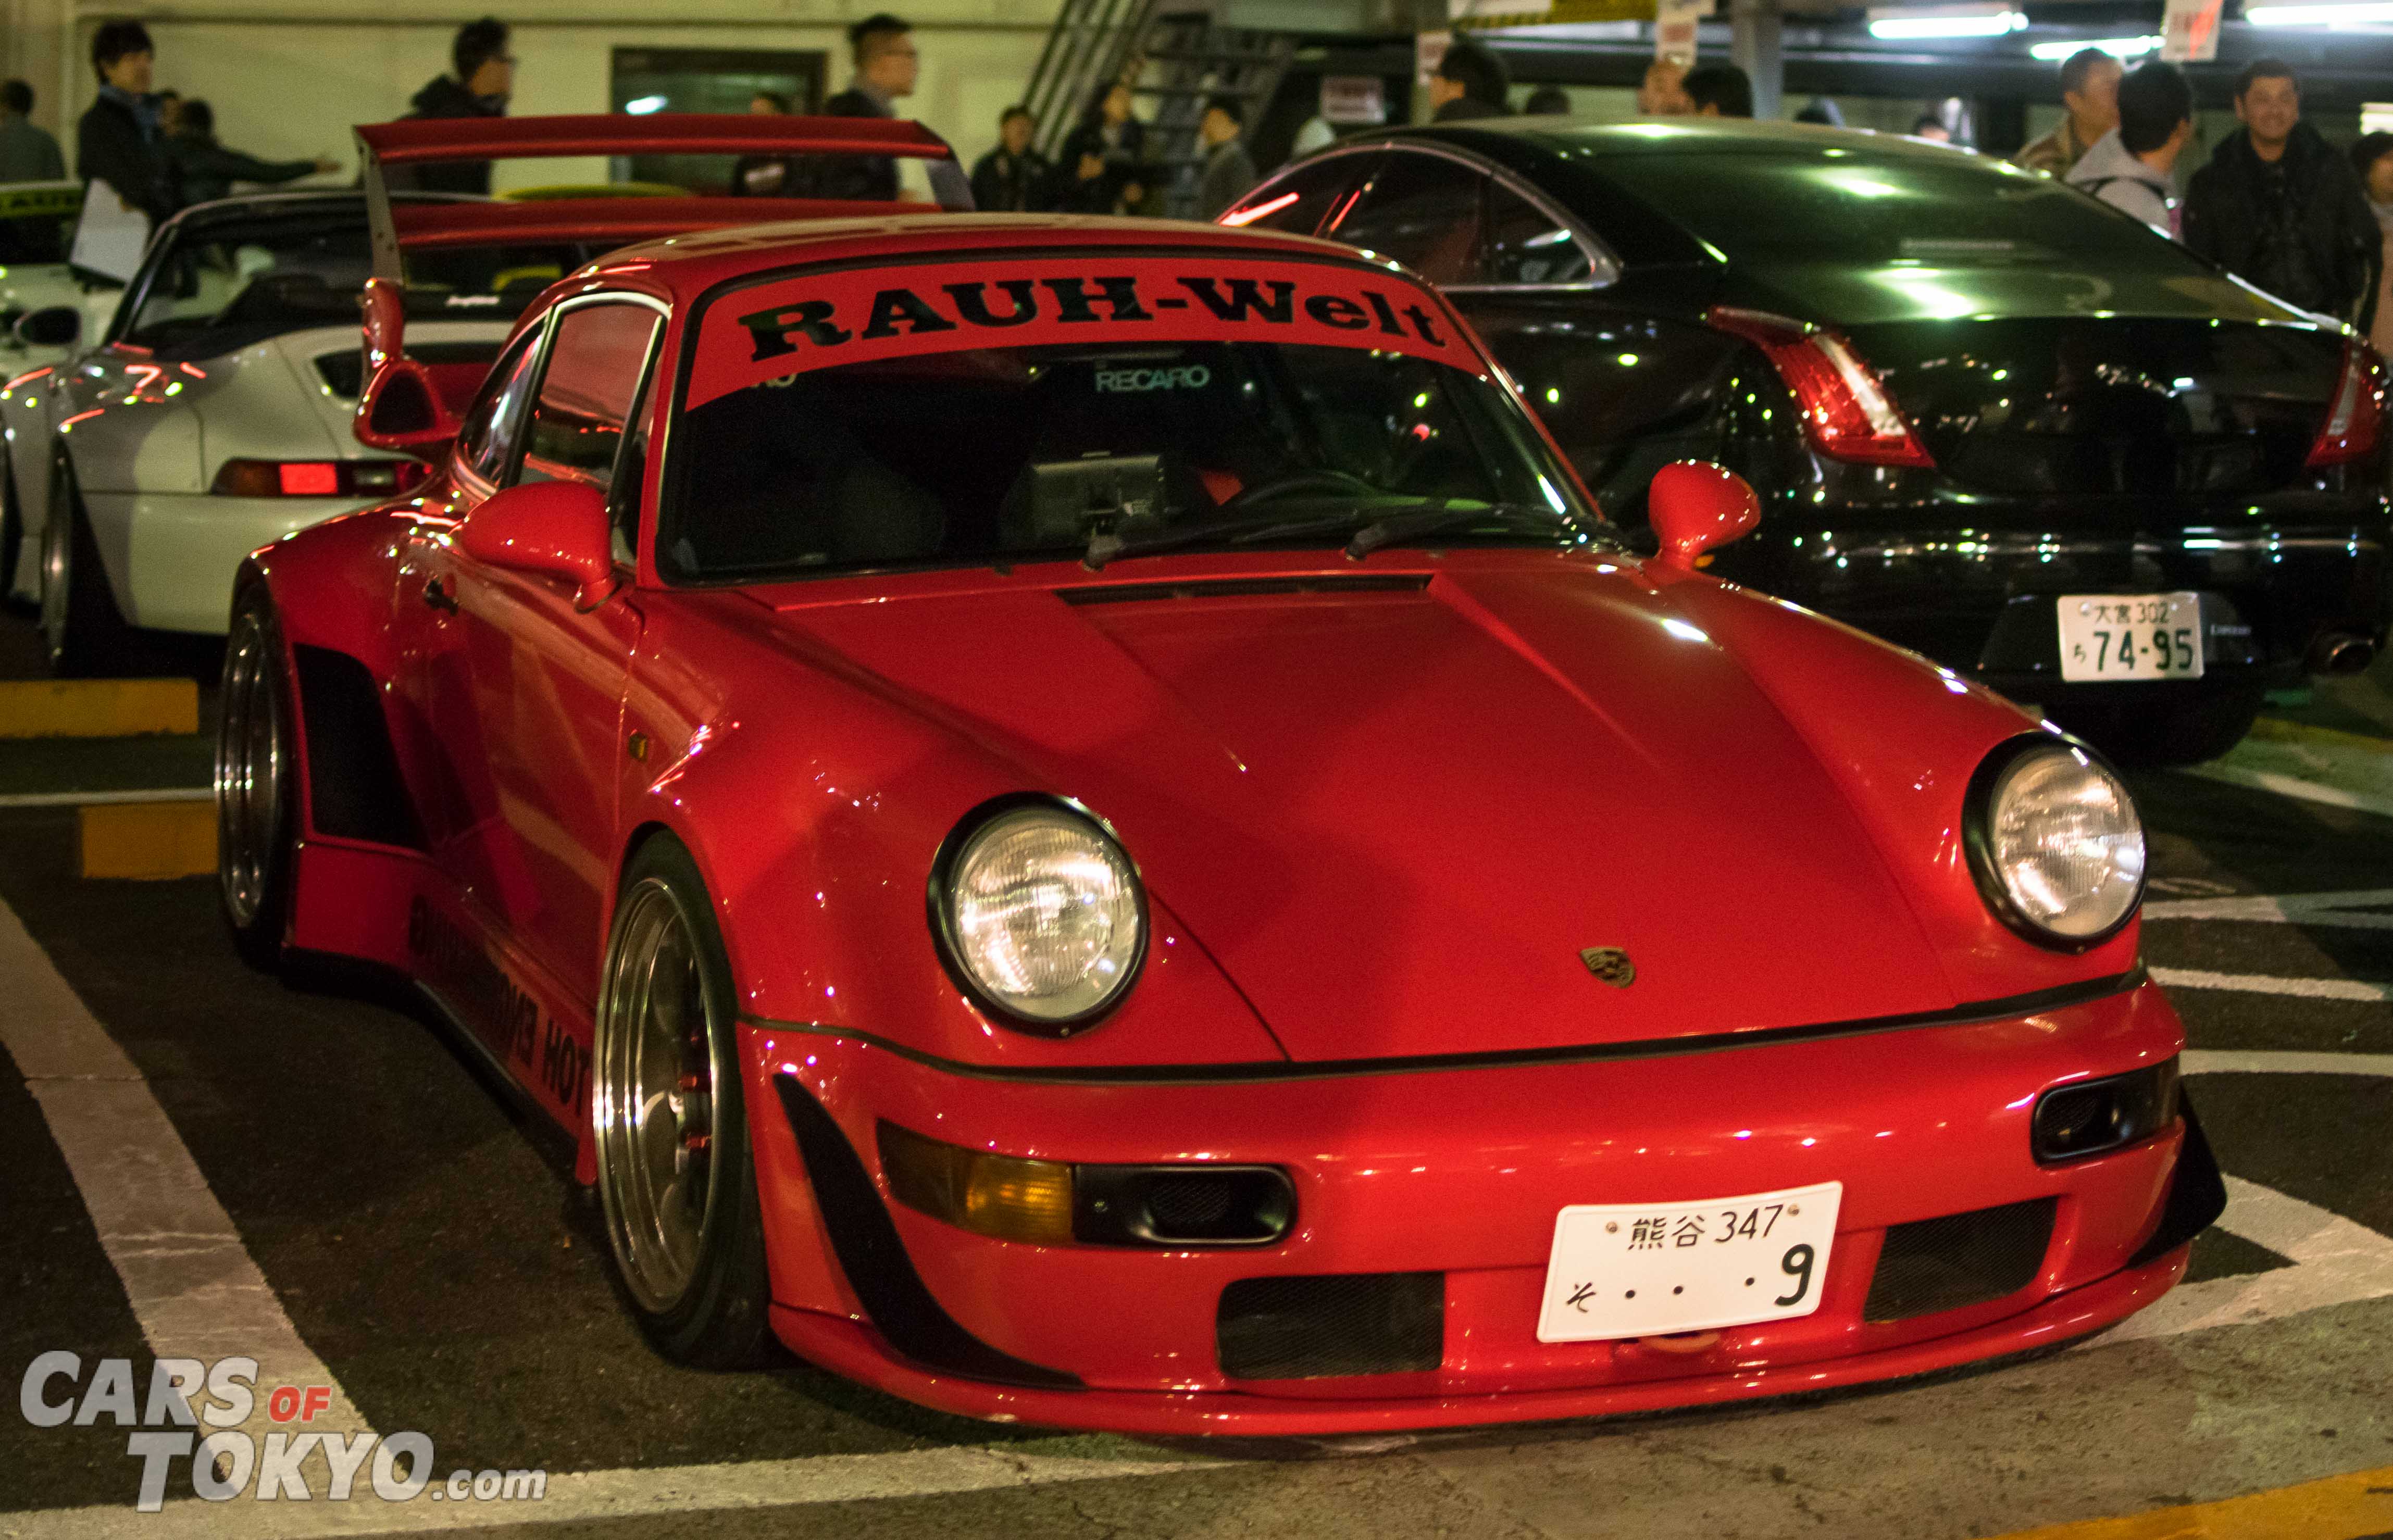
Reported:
(1081, 820)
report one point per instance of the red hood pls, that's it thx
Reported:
(1396, 816)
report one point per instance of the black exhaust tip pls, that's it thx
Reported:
(2342, 654)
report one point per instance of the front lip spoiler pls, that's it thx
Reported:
(1977, 1013)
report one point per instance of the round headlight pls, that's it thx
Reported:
(2058, 847)
(1041, 913)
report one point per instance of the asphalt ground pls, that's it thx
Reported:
(428, 1246)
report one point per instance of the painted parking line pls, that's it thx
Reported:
(2357, 1506)
(2343, 909)
(97, 708)
(597, 1495)
(107, 798)
(2335, 1262)
(2270, 983)
(2237, 1061)
(192, 1284)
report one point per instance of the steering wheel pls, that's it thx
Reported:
(1300, 481)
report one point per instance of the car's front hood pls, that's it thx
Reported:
(1396, 816)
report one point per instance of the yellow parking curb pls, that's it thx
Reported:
(148, 840)
(97, 708)
(2275, 729)
(2357, 1506)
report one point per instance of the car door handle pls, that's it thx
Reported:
(440, 597)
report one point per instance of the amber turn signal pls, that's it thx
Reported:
(1004, 1197)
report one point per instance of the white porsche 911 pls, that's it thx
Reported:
(212, 414)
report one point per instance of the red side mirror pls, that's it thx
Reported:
(1694, 506)
(555, 528)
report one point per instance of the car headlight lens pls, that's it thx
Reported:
(1043, 914)
(2057, 844)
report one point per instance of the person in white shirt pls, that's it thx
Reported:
(2130, 167)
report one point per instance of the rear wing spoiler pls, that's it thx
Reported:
(416, 141)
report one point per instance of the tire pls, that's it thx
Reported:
(256, 783)
(676, 1175)
(82, 628)
(2185, 730)
(12, 530)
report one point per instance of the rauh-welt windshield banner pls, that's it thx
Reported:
(774, 330)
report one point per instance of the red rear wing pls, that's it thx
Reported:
(416, 141)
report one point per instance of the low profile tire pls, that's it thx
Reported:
(12, 530)
(2182, 731)
(82, 628)
(676, 1177)
(256, 783)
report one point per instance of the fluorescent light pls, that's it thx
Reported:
(2368, 12)
(640, 107)
(2117, 47)
(1909, 21)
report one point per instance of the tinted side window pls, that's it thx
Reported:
(1422, 210)
(585, 393)
(1299, 201)
(487, 440)
(1526, 244)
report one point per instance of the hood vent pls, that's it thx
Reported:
(1245, 588)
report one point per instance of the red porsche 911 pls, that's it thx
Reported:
(1084, 822)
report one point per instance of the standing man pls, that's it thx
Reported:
(886, 63)
(2279, 208)
(485, 78)
(116, 141)
(2130, 167)
(1720, 91)
(1469, 83)
(27, 152)
(1013, 177)
(1663, 93)
(2089, 92)
(1229, 170)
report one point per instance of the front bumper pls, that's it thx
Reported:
(1459, 1172)
(172, 556)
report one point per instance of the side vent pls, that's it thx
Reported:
(354, 787)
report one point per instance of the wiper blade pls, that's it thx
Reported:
(1446, 515)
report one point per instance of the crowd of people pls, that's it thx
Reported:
(2275, 203)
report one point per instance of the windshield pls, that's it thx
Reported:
(37, 221)
(1851, 208)
(994, 454)
(221, 283)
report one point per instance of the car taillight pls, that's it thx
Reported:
(2355, 419)
(316, 477)
(1847, 415)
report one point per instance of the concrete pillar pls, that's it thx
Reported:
(1755, 26)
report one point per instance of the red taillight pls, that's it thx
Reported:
(1847, 415)
(2355, 419)
(318, 478)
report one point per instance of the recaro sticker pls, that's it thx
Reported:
(772, 330)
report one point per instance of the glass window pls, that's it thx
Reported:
(487, 440)
(1422, 210)
(631, 476)
(1299, 201)
(585, 393)
(1043, 448)
(1527, 245)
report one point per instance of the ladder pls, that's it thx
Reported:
(1092, 41)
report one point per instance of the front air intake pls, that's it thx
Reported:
(1959, 1259)
(1330, 1324)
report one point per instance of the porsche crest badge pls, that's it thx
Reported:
(1610, 964)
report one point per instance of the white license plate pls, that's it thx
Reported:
(1650, 1269)
(2130, 636)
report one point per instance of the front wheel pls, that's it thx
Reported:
(256, 769)
(676, 1178)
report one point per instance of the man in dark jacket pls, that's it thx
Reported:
(207, 170)
(27, 154)
(1013, 177)
(117, 140)
(886, 63)
(485, 77)
(2278, 207)
(1468, 82)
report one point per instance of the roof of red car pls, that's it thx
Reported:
(688, 265)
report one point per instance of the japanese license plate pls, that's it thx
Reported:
(2106, 637)
(1647, 1269)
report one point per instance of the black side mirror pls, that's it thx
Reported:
(51, 326)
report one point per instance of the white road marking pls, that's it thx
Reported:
(81, 799)
(193, 1288)
(2335, 1262)
(2268, 984)
(2199, 1060)
(597, 1496)
(2294, 786)
(2343, 910)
